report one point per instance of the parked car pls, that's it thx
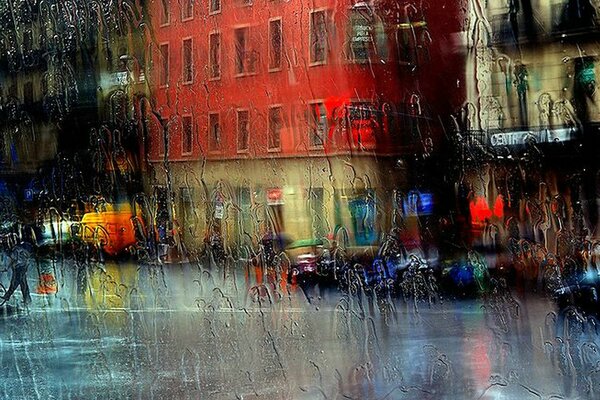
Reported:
(304, 256)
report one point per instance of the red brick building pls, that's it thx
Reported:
(293, 110)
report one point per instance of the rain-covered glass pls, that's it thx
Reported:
(275, 199)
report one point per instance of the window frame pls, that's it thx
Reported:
(185, 18)
(165, 19)
(281, 44)
(311, 62)
(272, 107)
(237, 124)
(162, 65)
(215, 11)
(217, 77)
(183, 66)
(183, 134)
(217, 148)
(350, 56)
(245, 71)
(309, 107)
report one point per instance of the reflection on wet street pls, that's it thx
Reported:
(182, 332)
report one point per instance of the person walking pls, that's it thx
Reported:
(19, 259)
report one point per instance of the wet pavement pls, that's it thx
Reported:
(151, 332)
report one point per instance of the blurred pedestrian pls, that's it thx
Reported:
(19, 260)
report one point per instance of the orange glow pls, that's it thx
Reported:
(47, 284)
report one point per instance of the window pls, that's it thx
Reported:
(364, 123)
(214, 132)
(360, 34)
(245, 59)
(186, 142)
(164, 70)
(28, 93)
(521, 81)
(243, 135)
(187, 61)
(362, 208)
(215, 6)
(275, 44)
(575, 16)
(275, 126)
(367, 38)
(318, 37)
(317, 124)
(412, 43)
(187, 9)
(165, 14)
(215, 55)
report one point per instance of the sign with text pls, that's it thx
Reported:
(519, 138)
(275, 197)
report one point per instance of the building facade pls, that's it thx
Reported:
(531, 121)
(294, 117)
(65, 81)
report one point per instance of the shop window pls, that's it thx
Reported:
(275, 44)
(275, 127)
(243, 134)
(188, 61)
(318, 37)
(215, 55)
(187, 131)
(362, 212)
(214, 132)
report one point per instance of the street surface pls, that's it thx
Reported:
(155, 332)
